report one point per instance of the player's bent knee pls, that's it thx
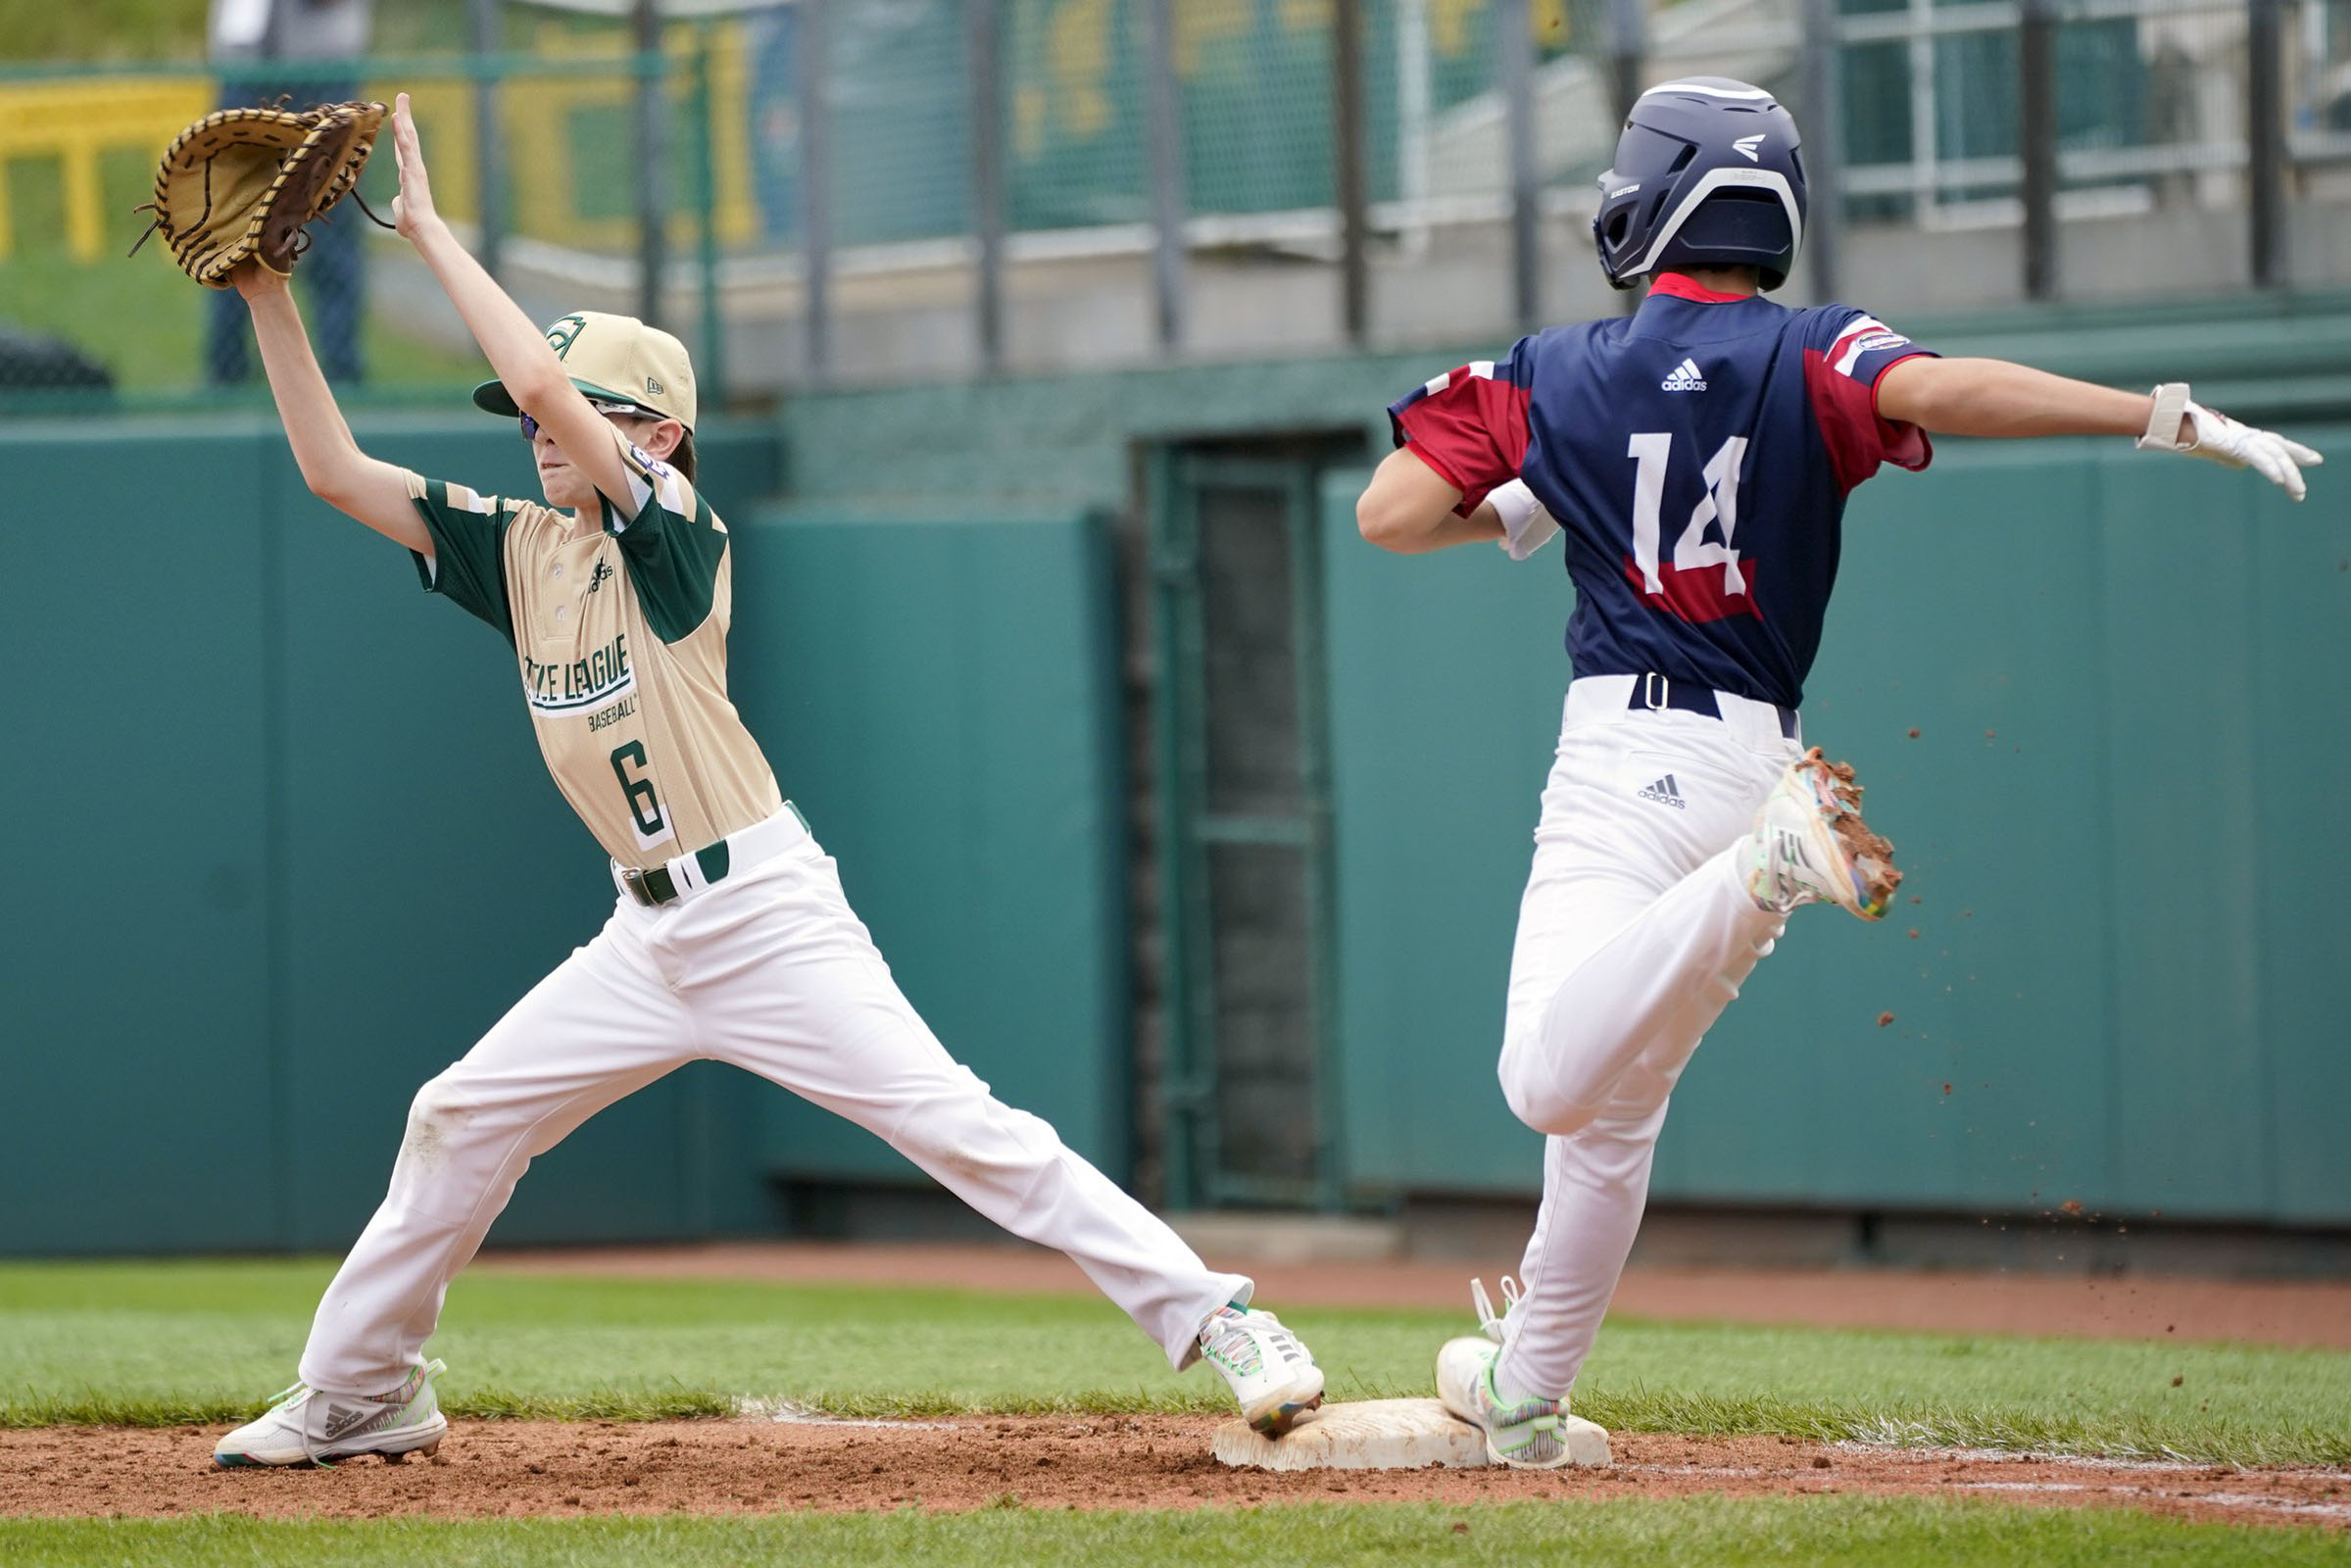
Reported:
(437, 1119)
(1535, 1101)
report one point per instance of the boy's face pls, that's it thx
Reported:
(565, 487)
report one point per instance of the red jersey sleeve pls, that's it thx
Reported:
(1841, 365)
(1470, 424)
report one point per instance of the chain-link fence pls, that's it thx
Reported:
(888, 189)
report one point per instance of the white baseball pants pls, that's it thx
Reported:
(771, 970)
(1635, 932)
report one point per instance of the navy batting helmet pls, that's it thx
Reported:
(1707, 173)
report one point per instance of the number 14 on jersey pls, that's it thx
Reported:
(1652, 454)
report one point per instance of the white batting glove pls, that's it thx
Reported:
(2221, 439)
(1526, 526)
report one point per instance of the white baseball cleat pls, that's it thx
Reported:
(1523, 1434)
(1810, 844)
(306, 1425)
(1273, 1374)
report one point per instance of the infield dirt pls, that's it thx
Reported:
(544, 1469)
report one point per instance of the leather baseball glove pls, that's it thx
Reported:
(240, 184)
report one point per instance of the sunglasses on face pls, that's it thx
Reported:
(530, 426)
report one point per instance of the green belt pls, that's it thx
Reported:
(658, 886)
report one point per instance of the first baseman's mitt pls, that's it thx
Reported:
(240, 184)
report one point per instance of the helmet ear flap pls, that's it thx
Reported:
(1612, 234)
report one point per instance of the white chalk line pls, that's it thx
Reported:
(791, 1413)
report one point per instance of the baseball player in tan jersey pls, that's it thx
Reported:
(730, 939)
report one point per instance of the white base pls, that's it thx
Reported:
(1385, 1434)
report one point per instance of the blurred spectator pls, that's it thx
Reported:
(272, 31)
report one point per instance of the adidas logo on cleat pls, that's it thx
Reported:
(1685, 378)
(341, 1420)
(1664, 794)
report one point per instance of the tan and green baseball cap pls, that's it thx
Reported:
(617, 359)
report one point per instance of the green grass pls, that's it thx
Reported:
(161, 1344)
(1827, 1531)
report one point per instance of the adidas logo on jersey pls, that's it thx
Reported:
(1685, 378)
(1664, 794)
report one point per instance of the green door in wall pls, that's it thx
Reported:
(1242, 788)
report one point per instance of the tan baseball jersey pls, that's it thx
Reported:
(620, 633)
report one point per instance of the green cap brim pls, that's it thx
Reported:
(491, 396)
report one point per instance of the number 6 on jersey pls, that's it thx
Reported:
(644, 810)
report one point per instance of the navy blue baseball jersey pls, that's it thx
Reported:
(1697, 456)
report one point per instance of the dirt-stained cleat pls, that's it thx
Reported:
(308, 1425)
(1271, 1373)
(1525, 1434)
(1811, 846)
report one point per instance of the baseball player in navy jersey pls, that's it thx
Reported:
(1695, 458)
(731, 938)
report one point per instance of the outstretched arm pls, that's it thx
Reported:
(1995, 398)
(518, 352)
(337, 471)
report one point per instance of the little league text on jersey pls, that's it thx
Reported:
(582, 684)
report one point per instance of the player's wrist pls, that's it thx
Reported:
(255, 281)
(2171, 422)
(426, 228)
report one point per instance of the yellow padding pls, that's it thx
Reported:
(78, 121)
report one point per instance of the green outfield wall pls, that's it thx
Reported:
(287, 848)
(2100, 702)
(939, 696)
(286, 851)
(2129, 682)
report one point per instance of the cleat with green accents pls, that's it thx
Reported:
(1524, 1434)
(307, 1426)
(1271, 1373)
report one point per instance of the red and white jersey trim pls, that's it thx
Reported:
(1864, 335)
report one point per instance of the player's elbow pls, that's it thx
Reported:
(326, 484)
(536, 387)
(338, 476)
(334, 482)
